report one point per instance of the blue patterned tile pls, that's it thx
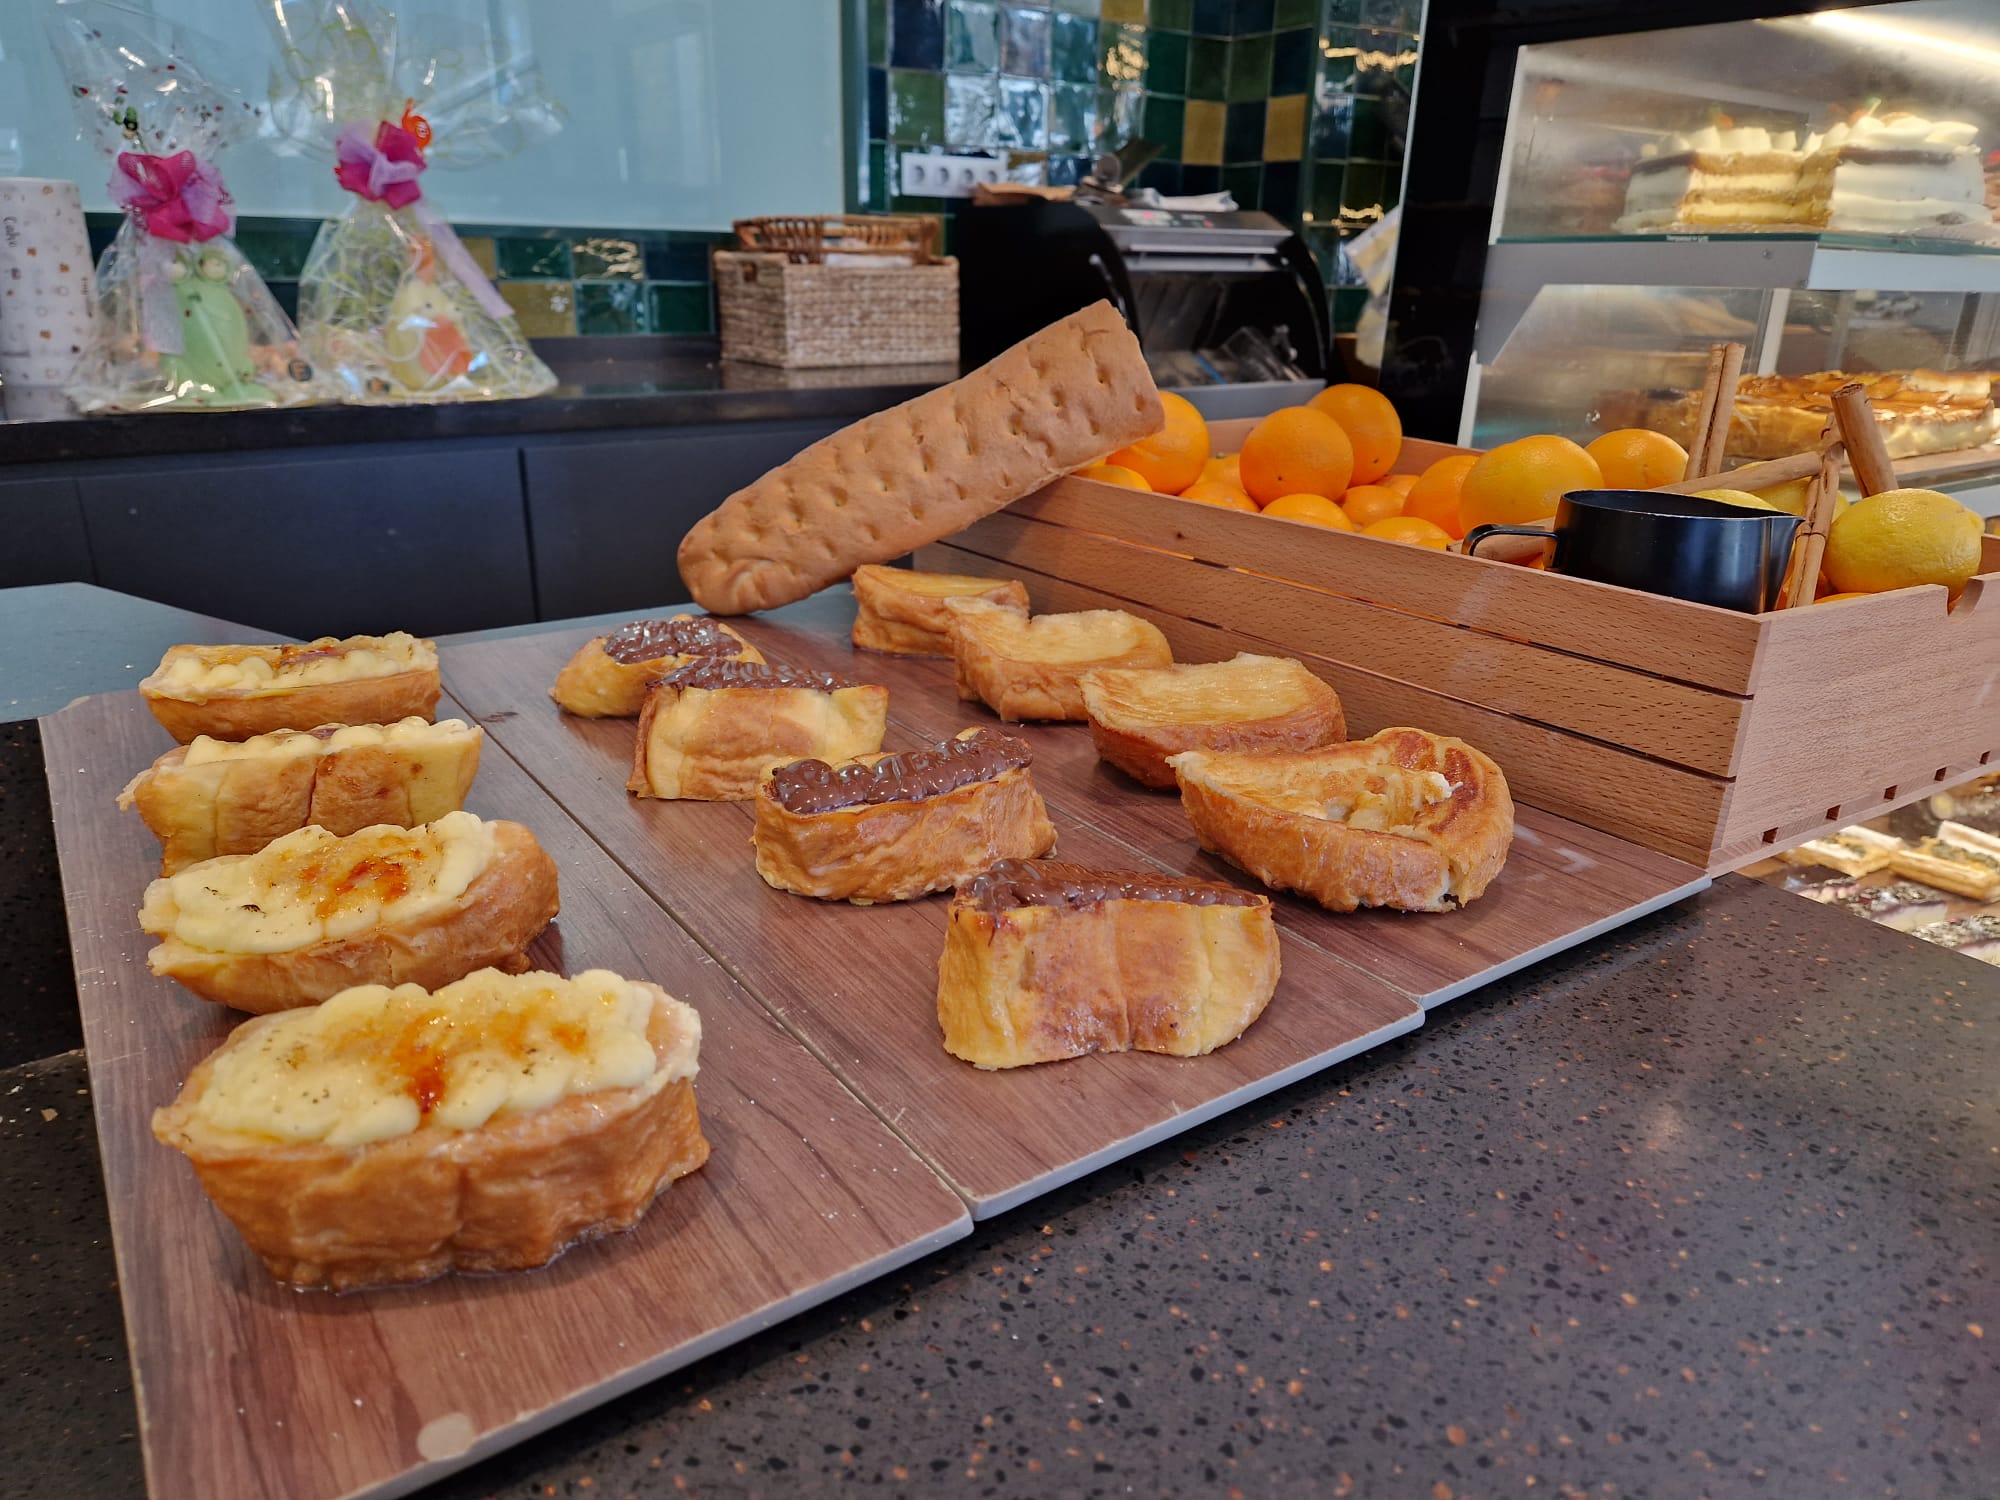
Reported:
(1021, 121)
(972, 37)
(612, 307)
(1073, 49)
(916, 34)
(969, 103)
(1024, 43)
(1072, 116)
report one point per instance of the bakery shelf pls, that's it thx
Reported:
(1517, 268)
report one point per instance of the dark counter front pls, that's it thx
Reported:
(453, 517)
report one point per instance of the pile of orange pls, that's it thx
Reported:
(1326, 463)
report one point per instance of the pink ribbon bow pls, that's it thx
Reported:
(384, 170)
(178, 197)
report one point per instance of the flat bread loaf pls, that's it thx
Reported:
(891, 483)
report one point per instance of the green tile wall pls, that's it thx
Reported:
(1287, 103)
(558, 281)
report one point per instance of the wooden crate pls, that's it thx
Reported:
(1707, 734)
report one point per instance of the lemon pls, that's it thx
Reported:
(1792, 496)
(1735, 497)
(1899, 538)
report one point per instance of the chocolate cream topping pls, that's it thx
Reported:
(717, 672)
(813, 786)
(1042, 882)
(688, 635)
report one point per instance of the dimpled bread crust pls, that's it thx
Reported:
(891, 483)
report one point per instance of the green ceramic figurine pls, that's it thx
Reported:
(213, 368)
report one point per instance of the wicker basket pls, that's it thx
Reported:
(782, 304)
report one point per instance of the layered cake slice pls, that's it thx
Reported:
(1893, 173)
(1746, 176)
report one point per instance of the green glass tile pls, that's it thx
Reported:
(1323, 196)
(1340, 46)
(1208, 68)
(604, 257)
(1174, 15)
(969, 102)
(1166, 62)
(1245, 183)
(680, 309)
(1073, 49)
(544, 309)
(1072, 108)
(610, 307)
(1343, 12)
(1024, 43)
(1106, 137)
(878, 33)
(1347, 303)
(1163, 123)
(1295, 13)
(1021, 119)
(1078, 7)
(878, 178)
(278, 256)
(1249, 68)
(898, 204)
(1121, 53)
(916, 107)
(1362, 195)
(1368, 135)
(1123, 10)
(525, 259)
(972, 37)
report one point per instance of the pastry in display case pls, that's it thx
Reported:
(1820, 188)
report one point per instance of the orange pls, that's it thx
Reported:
(1371, 425)
(1412, 531)
(1366, 504)
(1228, 467)
(1402, 484)
(1115, 474)
(1215, 492)
(1172, 458)
(1521, 481)
(1317, 509)
(1296, 451)
(1634, 459)
(1850, 594)
(1435, 497)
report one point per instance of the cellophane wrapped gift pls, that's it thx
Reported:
(391, 304)
(183, 320)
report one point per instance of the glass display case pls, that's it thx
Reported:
(1821, 188)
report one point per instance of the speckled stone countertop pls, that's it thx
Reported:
(1707, 1207)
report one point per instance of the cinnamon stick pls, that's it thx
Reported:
(1717, 409)
(1809, 545)
(1757, 476)
(1867, 454)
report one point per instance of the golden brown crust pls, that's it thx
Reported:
(1037, 983)
(1260, 812)
(905, 613)
(594, 686)
(1930, 862)
(894, 481)
(895, 851)
(489, 926)
(239, 714)
(238, 806)
(512, 1194)
(715, 744)
(1140, 716)
(1024, 668)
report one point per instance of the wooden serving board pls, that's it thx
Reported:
(1564, 883)
(859, 984)
(1349, 982)
(247, 1389)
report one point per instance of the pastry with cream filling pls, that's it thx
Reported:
(897, 825)
(1045, 961)
(236, 692)
(1961, 860)
(1853, 851)
(314, 913)
(394, 1134)
(712, 728)
(905, 613)
(1141, 715)
(1406, 819)
(1032, 668)
(608, 676)
(211, 797)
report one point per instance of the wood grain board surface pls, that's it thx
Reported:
(859, 984)
(1563, 882)
(248, 1389)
